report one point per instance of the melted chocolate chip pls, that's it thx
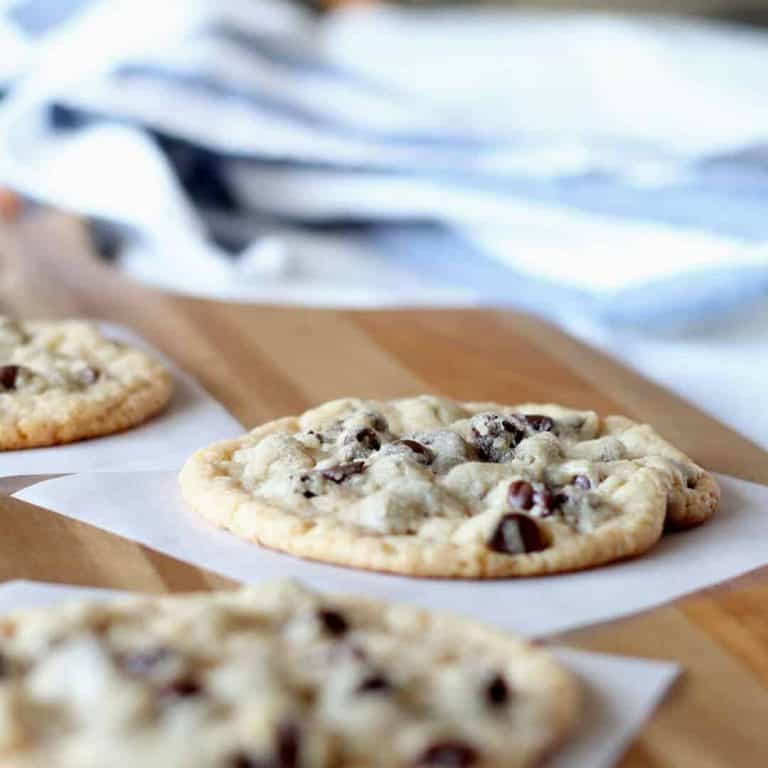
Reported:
(516, 534)
(546, 500)
(287, 746)
(523, 495)
(143, 663)
(520, 495)
(375, 683)
(341, 472)
(582, 481)
(333, 622)
(8, 376)
(380, 424)
(497, 692)
(309, 495)
(183, 688)
(448, 754)
(513, 429)
(244, 760)
(88, 376)
(368, 439)
(420, 450)
(539, 423)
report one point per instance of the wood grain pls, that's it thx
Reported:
(263, 362)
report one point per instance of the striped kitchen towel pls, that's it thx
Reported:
(254, 149)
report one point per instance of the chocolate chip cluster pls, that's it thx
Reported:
(13, 377)
(370, 435)
(495, 437)
(517, 532)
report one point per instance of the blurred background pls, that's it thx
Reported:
(603, 164)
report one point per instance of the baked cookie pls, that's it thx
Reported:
(430, 487)
(64, 381)
(273, 677)
(692, 494)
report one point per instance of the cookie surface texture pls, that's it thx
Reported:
(273, 676)
(426, 486)
(65, 381)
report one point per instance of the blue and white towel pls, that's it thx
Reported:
(610, 172)
(384, 156)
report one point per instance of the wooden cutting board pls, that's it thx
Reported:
(263, 362)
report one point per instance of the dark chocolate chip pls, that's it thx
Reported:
(448, 754)
(341, 472)
(375, 683)
(560, 499)
(8, 376)
(333, 622)
(309, 495)
(88, 376)
(287, 746)
(183, 688)
(520, 495)
(419, 449)
(143, 663)
(539, 422)
(516, 534)
(368, 439)
(497, 691)
(582, 481)
(691, 483)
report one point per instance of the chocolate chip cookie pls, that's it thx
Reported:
(273, 677)
(65, 381)
(427, 486)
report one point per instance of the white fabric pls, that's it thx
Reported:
(689, 87)
(538, 96)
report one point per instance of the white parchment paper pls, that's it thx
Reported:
(620, 693)
(147, 507)
(192, 418)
